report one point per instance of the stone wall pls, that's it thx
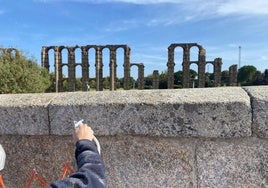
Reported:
(199, 138)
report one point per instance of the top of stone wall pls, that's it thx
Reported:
(207, 112)
(259, 99)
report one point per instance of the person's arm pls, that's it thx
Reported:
(91, 169)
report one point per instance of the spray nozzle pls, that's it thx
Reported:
(76, 123)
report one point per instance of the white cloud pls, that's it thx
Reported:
(121, 25)
(225, 7)
(122, 1)
(220, 7)
(184, 11)
(256, 7)
(264, 58)
(143, 1)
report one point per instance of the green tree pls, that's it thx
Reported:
(193, 78)
(132, 83)
(265, 77)
(225, 78)
(148, 82)
(106, 83)
(246, 74)
(52, 87)
(21, 75)
(178, 79)
(92, 83)
(163, 77)
(120, 83)
(209, 79)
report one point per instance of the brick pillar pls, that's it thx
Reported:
(44, 58)
(126, 67)
(113, 66)
(217, 72)
(170, 65)
(85, 68)
(186, 67)
(57, 65)
(141, 76)
(99, 69)
(156, 79)
(60, 84)
(201, 68)
(71, 68)
(233, 75)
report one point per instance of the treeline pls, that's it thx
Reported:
(247, 76)
(19, 74)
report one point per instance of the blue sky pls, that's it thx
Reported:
(147, 26)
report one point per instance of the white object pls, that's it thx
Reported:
(2, 157)
(77, 123)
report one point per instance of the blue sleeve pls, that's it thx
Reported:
(91, 169)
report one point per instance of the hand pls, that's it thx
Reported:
(83, 131)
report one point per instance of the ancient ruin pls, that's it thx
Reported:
(201, 63)
(12, 52)
(187, 81)
(72, 64)
(140, 74)
(233, 75)
(155, 79)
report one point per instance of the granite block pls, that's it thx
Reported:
(46, 154)
(24, 114)
(233, 163)
(149, 162)
(217, 112)
(259, 99)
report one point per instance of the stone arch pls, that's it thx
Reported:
(85, 65)
(58, 65)
(71, 67)
(140, 74)
(217, 64)
(186, 64)
(113, 65)
(126, 66)
(11, 50)
(45, 56)
(194, 53)
(193, 80)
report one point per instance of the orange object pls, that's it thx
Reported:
(35, 175)
(66, 169)
(2, 185)
(38, 177)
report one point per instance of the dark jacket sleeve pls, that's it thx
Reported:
(91, 169)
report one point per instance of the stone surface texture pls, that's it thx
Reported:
(221, 112)
(46, 154)
(259, 99)
(149, 162)
(24, 114)
(193, 138)
(233, 163)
